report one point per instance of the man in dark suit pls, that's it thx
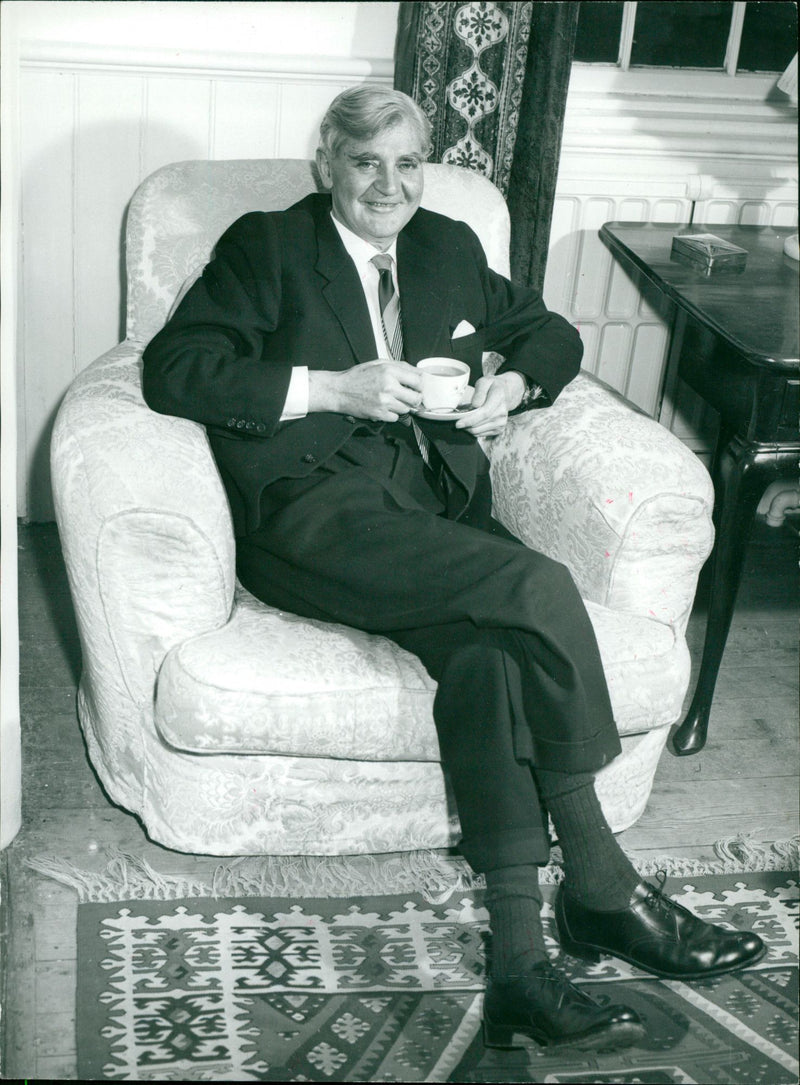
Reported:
(297, 350)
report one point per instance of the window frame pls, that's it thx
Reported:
(732, 48)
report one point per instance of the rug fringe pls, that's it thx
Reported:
(744, 851)
(126, 877)
(435, 875)
(739, 854)
(130, 877)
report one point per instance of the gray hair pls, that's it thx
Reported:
(362, 112)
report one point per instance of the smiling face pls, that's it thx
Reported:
(376, 184)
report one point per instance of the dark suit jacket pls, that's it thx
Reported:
(282, 291)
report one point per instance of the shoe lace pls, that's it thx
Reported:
(548, 972)
(656, 898)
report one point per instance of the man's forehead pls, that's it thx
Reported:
(401, 139)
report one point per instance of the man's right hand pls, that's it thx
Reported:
(381, 390)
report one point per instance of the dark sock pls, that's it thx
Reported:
(514, 901)
(597, 872)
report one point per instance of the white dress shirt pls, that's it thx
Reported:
(361, 253)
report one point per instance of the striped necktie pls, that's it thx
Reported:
(389, 304)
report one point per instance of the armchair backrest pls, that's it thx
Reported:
(178, 213)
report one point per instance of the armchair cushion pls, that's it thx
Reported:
(272, 683)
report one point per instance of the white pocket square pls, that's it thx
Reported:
(463, 328)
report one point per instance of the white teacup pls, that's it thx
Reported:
(444, 381)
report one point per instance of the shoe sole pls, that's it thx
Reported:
(614, 1038)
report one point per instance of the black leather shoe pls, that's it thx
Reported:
(543, 1005)
(656, 934)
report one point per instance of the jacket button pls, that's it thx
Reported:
(349, 418)
(231, 423)
(240, 424)
(249, 425)
(261, 427)
(309, 458)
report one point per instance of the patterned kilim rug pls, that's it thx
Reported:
(389, 987)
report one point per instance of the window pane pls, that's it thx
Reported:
(769, 36)
(688, 34)
(599, 26)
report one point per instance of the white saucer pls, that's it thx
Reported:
(445, 414)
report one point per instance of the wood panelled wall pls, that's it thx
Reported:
(95, 121)
(93, 127)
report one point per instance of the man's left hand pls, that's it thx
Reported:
(494, 397)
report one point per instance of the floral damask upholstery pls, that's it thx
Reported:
(230, 727)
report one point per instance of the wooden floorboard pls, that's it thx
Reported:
(744, 782)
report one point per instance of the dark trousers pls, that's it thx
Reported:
(365, 541)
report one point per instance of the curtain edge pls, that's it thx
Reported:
(405, 51)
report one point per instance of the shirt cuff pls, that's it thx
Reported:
(296, 405)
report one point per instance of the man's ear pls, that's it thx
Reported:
(324, 168)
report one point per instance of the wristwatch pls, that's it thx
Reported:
(534, 395)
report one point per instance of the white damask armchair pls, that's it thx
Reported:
(232, 728)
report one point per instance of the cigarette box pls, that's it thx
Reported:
(708, 253)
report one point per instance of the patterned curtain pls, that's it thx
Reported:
(492, 79)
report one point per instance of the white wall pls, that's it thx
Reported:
(108, 92)
(10, 737)
(287, 28)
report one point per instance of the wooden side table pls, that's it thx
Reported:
(735, 337)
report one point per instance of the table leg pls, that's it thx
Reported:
(669, 378)
(741, 477)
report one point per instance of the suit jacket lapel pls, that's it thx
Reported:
(425, 312)
(424, 307)
(426, 334)
(343, 290)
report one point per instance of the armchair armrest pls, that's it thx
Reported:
(144, 524)
(599, 486)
